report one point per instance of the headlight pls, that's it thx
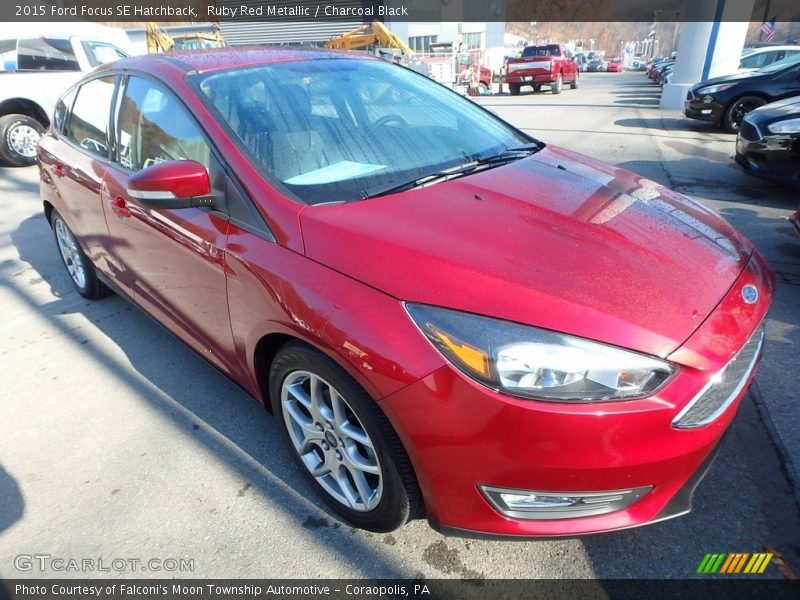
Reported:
(713, 89)
(537, 363)
(787, 126)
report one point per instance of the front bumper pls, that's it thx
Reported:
(461, 435)
(705, 108)
(774, 157)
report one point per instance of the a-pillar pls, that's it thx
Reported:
(710, 45)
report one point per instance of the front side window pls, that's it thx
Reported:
(46, 54)
(334, 129)
(100, 53)
(88, 122)
(154, 128)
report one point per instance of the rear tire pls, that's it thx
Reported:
(574, 84)
(333, 428)
(19, 135)
(556, 87)
(513, 88)
(80, 269)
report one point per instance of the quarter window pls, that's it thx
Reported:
(88, 123)
(155, 128)
(62, 107)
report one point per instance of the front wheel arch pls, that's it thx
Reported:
(723, 122)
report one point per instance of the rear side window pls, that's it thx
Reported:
(88, 122)
(154, 128)
(46, 54)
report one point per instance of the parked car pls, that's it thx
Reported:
(36, 71)
(615, 65)
(384, 265)
(595, 65)
(548, 64)
(666, 75)
(756, 58)
(768, 143)
(726, 100)
(657, 72)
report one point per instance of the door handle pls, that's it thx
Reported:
(119, 206)
(59, 170)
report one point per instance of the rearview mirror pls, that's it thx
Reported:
(173, 184)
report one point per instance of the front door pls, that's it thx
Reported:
(171, 261)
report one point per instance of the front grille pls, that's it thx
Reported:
(749, 132)
(723, 388)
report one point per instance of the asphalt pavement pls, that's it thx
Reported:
(117, 442)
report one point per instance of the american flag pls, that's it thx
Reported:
(768, 29)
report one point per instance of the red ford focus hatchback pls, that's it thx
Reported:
(446, 316)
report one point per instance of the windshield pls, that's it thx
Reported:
(329, 130)
(781, 64)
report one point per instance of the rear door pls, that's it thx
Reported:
(172, 261)
(78, 159)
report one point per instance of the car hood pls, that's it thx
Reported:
(782, 108)
(555, 240)
(732, 78)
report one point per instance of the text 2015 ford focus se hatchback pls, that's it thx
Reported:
(447, 317)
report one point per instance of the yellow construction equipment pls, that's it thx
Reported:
(374, 34)
(159, 40)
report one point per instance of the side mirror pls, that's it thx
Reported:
(173, 184)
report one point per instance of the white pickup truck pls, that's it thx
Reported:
(35, 71)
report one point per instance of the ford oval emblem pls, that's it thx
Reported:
(750, 294)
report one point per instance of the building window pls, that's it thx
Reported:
(472, 41)
(422, 43)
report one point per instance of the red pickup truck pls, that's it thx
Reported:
(545, 64)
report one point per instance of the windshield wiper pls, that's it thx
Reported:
(514, 153)
(437, 177)
(480, 164)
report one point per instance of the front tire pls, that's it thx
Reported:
(556, 87)
(341, 440)
(513, 88)
(80, 269)
(738, 109)
(19, 135)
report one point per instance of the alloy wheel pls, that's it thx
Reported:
(70, 253)
(331, 441)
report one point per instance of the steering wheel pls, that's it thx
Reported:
(385, 120)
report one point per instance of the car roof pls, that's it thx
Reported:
(214, 59)
(761, 49)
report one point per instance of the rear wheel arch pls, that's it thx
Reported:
(48, 209)
(23, 106)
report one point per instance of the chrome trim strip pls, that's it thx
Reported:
(147, 195)
(591, 503)
(729, 400)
